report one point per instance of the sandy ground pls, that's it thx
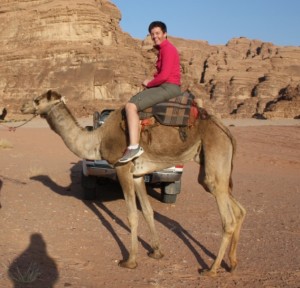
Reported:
(77, 243)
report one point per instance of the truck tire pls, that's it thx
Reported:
(168, 198)
(170, 191)
(89, 185)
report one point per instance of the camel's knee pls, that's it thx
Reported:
(229, 220)
(242, 214)
(148, 215)
(132, 220)
(229, 227)
(238, 209)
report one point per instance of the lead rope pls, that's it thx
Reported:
(14, 128)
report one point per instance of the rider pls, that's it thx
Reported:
(164, 85)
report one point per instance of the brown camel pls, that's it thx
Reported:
(208, 142)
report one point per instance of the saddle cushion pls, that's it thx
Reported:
(175, 112)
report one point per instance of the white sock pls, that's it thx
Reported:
(133, 146)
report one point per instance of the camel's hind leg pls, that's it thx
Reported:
(232, 216)
(240, 214)
(215, 175)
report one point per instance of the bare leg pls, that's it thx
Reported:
(133, 122)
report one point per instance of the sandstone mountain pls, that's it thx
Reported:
(78, 48)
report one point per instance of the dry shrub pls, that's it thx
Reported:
(25, 275)
(5, 144)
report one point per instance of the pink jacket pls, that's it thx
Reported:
(167, 65)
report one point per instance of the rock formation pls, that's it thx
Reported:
(78, 48)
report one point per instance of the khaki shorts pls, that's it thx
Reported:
(152, 96)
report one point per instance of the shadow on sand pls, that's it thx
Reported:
(34, 268)
(112, 192)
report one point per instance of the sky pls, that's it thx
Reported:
(215, 21)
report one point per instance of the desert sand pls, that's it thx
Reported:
(76, 243)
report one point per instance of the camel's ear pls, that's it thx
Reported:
(49, 93)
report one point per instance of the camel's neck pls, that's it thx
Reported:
(83, 143)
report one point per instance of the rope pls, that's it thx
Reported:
(14, 128)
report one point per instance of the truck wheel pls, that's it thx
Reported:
(89, 185)
(168, 198)
(170, 191)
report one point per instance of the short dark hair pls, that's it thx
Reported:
(159, 24)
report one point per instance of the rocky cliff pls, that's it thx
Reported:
(78, 48)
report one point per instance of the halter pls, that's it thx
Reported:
(62, 99)
(56, 102)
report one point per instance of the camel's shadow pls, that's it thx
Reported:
(111, 192)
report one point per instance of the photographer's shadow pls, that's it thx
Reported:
(34, 267)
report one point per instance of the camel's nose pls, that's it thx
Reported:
(23, 108)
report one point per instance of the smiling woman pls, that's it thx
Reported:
(164, 85)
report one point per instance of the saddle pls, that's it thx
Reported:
(179, 111)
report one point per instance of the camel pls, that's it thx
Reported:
(208, 142)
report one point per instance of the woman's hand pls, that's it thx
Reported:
(145, 83)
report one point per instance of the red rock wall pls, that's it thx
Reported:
(78, 48)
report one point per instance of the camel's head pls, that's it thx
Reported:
(42, 104)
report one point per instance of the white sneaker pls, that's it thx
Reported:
(131, 154)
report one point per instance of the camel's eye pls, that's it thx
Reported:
(36, 101)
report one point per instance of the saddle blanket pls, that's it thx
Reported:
(175, 112)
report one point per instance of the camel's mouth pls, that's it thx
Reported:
(28, 110)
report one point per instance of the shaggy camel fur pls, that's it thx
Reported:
(208, 142)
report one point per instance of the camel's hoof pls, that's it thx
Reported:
(233, 266)
(207, 272)
(127, 264)
(232, 269)
(156, 254)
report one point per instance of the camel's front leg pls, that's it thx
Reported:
(141, 192)
(126, 180)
